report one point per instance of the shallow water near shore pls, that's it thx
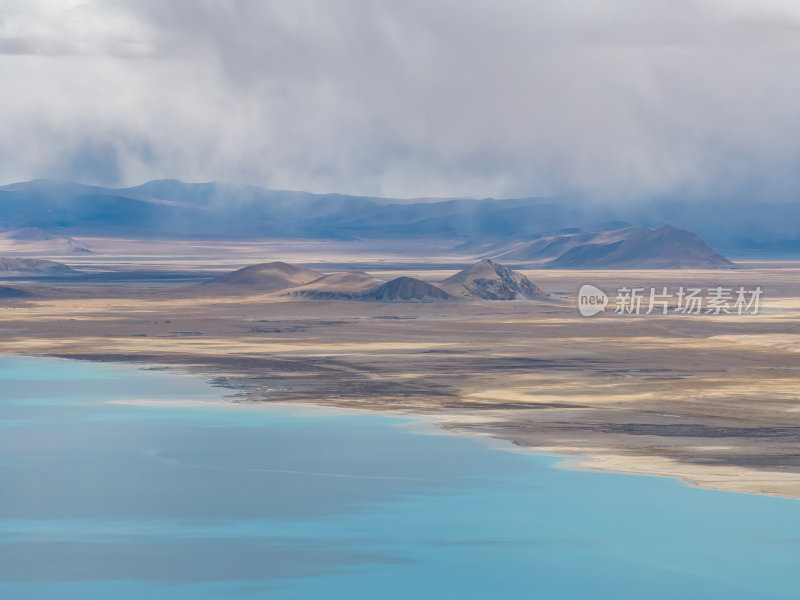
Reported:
(125, 483)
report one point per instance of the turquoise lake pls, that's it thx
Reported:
(126, 483)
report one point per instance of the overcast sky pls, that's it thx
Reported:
(610, 99)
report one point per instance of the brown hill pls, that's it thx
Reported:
(665, 248)
(266, 277)
(491, 281)
(551, 246)
(337, 286)
(406, 289)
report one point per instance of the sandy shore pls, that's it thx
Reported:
(711, 400)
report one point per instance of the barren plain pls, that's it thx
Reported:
(711, 399)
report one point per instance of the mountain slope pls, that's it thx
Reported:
(10, 292)
(491, 281)
(33, 266)
(665, 248)
(266, 277)
(406, 289)
(35, 239)
(553, 245)
(337, 286)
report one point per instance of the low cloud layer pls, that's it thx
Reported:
(610, 100)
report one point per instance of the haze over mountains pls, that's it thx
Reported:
(173, 208)
(170, 207)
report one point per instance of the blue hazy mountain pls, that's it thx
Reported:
(169, 207)
(173, 208)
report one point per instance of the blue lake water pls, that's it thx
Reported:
(119, 483)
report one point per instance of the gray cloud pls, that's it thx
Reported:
(615, 99)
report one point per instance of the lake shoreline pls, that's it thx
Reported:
(728, 479)
(711, 400)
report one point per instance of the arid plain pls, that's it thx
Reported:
(712, 399)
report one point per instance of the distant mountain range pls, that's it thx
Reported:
(166, 208)
(163, 208)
